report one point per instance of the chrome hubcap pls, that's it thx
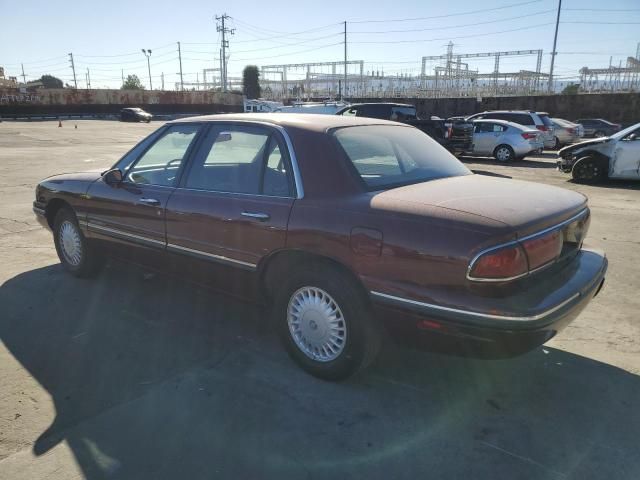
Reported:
(503, 154)
(316, 324)
(70, 243)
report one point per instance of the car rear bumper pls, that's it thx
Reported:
(515, 324)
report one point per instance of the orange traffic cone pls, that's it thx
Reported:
(59, 123)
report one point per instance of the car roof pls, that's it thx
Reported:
(508, 111)
(393, 104)
(304, 121)
(505, 122)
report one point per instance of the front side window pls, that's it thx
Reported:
(241, 159)
(386, 156)
(160, 164)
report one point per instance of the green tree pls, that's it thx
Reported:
(571, 89)
(132, 82)
(251, 81)
(49, 81)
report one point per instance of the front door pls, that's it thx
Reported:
(626, 156)
(233, 203)
(132, 212)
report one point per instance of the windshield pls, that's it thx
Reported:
(389, 156)
(625, 132)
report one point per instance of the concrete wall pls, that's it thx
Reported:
(621, 108)
(64, 101)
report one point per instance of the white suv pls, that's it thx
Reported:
(526, 118)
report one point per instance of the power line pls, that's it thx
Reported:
(454, 26)
(471, 12)
(529, 27)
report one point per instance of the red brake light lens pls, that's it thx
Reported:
(544, 249)
(529, 136)
(501, 264)
(542, 127)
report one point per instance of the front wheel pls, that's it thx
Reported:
(325, 323)
(504, 153)
(76, 254)
(588, 170)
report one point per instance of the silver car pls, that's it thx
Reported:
(528, 118)
(506, 141)
(566, 132)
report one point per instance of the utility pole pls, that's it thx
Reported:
(554, 53)
(162, 81)
(222, 28)
(345, 59)
(88, 79)
(24, 77)
(147, 53)
(122, 72)
(73, 67)
(180, 60)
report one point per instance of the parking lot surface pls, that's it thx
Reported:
(134, 375)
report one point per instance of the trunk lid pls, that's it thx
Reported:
(525, 207)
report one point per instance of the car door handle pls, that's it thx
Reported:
(149, 201)
(257, 216)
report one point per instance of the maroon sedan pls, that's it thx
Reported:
(347, 227)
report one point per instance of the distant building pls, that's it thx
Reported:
(7, 82)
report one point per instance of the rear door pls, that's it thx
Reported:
(485, 137)
(233, 203)
(133, 211)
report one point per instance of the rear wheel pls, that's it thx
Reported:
(504, 153)
(557, 144)
(75, 252)
(588, 170)
(325, 323)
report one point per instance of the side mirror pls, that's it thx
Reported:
(112, 177)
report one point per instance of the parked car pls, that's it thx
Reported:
(506, 141)
(454, 135)
(523, 117)
(134, 114)
(598, 127)
(566, 132)
(343, 226)
(617, 156)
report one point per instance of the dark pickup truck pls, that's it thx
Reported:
(455, 135)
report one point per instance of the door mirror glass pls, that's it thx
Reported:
(112, 177)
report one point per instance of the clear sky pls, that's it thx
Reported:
(107, 36)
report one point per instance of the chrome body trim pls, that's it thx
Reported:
(517, 242)
(39, 211)
(211, 256)
(126, 235)
(489, 316)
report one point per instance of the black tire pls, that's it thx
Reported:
(504, 154)
(588, 170)
(558, 144)
(363, 334)
(89, 260)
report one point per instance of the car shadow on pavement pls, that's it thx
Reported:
(612, 183)
(526, 162)
(154, 378)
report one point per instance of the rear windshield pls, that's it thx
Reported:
(387, 156)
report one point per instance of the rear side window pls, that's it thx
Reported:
(521, 118)
(387, 156)
(546, 120)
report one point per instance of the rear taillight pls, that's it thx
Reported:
(503, 264)
(542, 128)
(523, 257)
(571, 131)
(529, 136)
(544, 249)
